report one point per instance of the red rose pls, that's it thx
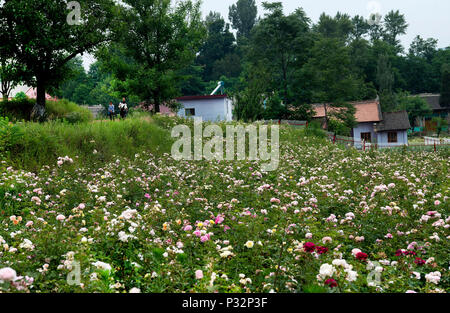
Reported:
(361, 256)
(419, 261)
(321, 250)
(399, 252)
(331, 283)
(309, 247)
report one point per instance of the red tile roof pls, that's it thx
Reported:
(366, 111)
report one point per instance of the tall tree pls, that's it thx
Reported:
(445, 86)
(282, 43)
(415, 106)
(242, 16)
(331, 79)
(45, 40)
(249, 104)
(385, 81)
(423, 48)
(340, 26)
(8, 76)
(394, 26)
(156, 39)
(360, 27)
(218, 44)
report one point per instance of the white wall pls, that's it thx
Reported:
(402, 139)
(217, 109)
(363, 128)
(380, 138)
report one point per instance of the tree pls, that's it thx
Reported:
(423, 48)
(331, 79)
(341, 26)
(441, 124)
(242, 16)
(360, 27)
(8, 77)
(394, 26)
(445, 86)
(281, 42)
(385, 81)
(249, 102)
(415, 106)
(44, 42)
(219, 44)
(155, 40)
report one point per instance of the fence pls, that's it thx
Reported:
(431, 144)
(96, 110)
(367, 146)
(431, 141)
(287, 122)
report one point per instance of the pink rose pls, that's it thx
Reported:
(7, 274)
(199, 274)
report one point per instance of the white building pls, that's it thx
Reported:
(385, 129)
(210, 108)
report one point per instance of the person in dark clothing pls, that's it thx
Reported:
(123, 107)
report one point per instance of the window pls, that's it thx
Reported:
(367, 137)
(189, 112)
(392, 137)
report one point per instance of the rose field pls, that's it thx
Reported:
(329, 219)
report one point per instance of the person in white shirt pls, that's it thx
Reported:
(123, 107)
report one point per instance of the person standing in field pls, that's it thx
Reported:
(123, 107)
(111, 111)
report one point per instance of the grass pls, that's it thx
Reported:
(86, 143)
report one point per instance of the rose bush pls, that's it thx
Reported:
(328, 220)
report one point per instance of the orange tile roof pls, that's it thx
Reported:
(366, 111)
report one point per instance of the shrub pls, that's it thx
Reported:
(20, 108)
(10, 134)
(338, 128)
(314, 129)
(64, 109)
(17, 108)
(43, 143)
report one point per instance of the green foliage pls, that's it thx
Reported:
(441, 124)
(338, 127)
(415, 106)
(331, 79)
(217, 55)
(280, 43)
(274, 108)
(64, 109)
(95, 142)
(242, 16)
(152, 46)
(394, 25)
(445, 86)
(125, 217)
(10, 134)
(20, 96)
(17, 109)
(44, 48)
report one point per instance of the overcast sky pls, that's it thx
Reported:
(427, 18)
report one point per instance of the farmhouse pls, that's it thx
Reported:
(375, 126)
(209, 108)
(426, 123)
